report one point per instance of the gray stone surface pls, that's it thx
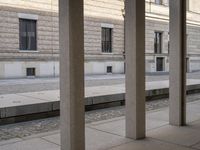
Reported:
(177, 135)
(11, 100)
(197, 146)
(10, 86)
(46, 101)
(102, 140)
(95, 140)
(35, 127)
(33, 144)
(105, 134)
(55, 138)
(150, 144)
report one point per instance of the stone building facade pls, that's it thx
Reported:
(157, 21)
(103, 33)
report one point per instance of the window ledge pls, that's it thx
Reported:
(28, 51)
(107, 53)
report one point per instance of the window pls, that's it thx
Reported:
(27, 34)
(106, 40)
(159, 2)
(187, 64)
(109, 69)
(160, 64)
(30, 72)
(187, 5)
(158, 43)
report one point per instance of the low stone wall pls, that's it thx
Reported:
(36, 110)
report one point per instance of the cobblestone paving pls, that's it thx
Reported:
(21, 130)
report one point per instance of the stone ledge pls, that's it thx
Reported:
(43, 104)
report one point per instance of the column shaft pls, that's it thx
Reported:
(135, 68)
(177, 57)
(72, 74)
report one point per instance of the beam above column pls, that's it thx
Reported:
(177, 57)
(135, 68)
(72, 74)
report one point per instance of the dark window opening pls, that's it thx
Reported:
(27, 30)
(109, 69)
(187, 65)
(106, 40)
(159, 2)
(159, 64)
(158, 43)
(30, 72)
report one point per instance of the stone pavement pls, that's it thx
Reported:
(12, 86)
(28, 98)
(28, 128)
(48, 101)
(110, 134)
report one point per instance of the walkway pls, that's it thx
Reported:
(11, 86)
(48, 101)
(30, 98)
(109, 135)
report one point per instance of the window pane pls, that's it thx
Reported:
(106, 40)
(158, 2)
(31, 35)
(23, 38)
(160, 64)
(103, 35)
(28, 34)
(158, 43)
(30, 71)
(109, 69)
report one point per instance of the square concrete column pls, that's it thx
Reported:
(72, 74)
(135, 68)
(177, 59)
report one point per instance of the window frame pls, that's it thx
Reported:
(163, 65)
(160, 50)
(31, 72)
(110, 41)
(160, 2)
(109, 69)
(25, 20)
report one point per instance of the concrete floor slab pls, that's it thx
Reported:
(193, 108)
(149, 144)
(98, 140)
(118, 126)
(52, 95)
(33, 144)
(12, 100)
(195, 125)
(155, 123)
(192, 116)
(197, 146)
(114, 127)
(109, 135)
(111, 92)
(178, 135)
(55, 138)
(162, 115)
(104, 90)
(6, 142)
(95, 139)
